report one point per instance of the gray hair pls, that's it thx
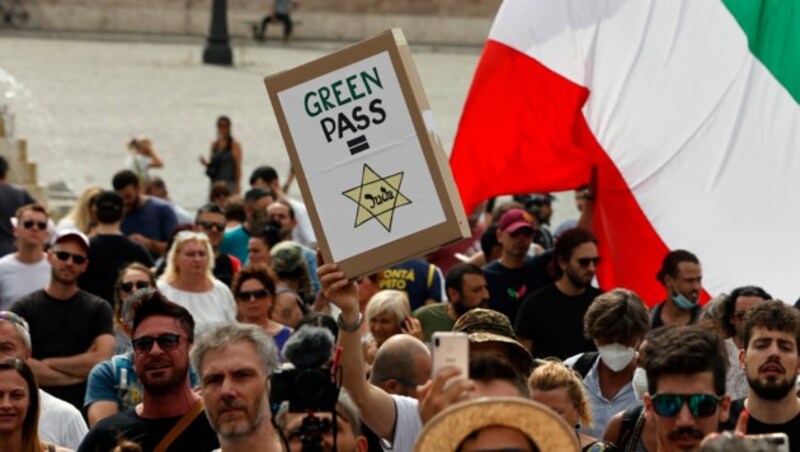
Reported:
(22, 330)
(223, 336)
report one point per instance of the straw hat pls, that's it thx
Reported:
(448, 429)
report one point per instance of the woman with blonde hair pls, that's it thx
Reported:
(188, 281)
(80, 217)
(388, 313)
(20, 405)
(561, 388)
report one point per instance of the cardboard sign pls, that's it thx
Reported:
(364, 148)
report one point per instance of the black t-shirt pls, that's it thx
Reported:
(554, 322)
(197, 437)
(62, 328)
(756, 427)
(657, 322)
(509, 286)
(108, 254)
(223, 269)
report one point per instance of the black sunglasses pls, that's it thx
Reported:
(64, 256)
(700, 405)
(29, 224)
(166, 342)
(209, 225)
(585, 261)
(259, 294)
(128, 286)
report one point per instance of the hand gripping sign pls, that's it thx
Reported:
(368, 161)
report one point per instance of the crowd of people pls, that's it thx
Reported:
(128, 325)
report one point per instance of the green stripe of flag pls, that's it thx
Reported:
(773, 32)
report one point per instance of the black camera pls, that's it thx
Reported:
(306, 390)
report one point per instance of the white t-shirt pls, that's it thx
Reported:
(18, 279)
(303, 233)
(60, 423)
(407, 425)
(735, 379)
(209, 309)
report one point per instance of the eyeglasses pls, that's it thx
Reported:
(189, 235)
(128, 286)
(76, 258)
(585, 261)
(166, 342)
(700, 405)
(15, 319)
(259, 294)
(29, 224)
(210, 225)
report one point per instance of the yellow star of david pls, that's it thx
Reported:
(377, 197)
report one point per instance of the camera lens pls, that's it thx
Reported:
(436, 342)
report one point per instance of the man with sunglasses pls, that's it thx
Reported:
(685, 368)
(211, 220)
(26, 270)
(171, 413)
(550, 321)
(71, 329)
(770, 359)
(109, 250)
(515, 274)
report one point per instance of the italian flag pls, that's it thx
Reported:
(689, 109)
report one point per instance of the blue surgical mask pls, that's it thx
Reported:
(683, 302)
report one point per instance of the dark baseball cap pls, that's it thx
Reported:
(515, 219)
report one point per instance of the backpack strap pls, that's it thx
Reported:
(178, 428)
(584, 364)
(628, 426)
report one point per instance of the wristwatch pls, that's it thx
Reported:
(349, 327)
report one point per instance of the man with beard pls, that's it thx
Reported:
(466, 289)
(550, 321)
(235, 362)
(686, 398)
(734, 310)
(770, 360)
(71, 329)
(148, 221)
(170, 415)
(515, 274)
(682, 276)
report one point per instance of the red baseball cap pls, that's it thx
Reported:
(515, 219)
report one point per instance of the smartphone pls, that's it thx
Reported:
(777, 442)
(450, 349)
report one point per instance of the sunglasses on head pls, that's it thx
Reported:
(210, 225)
(129, 286)
(166, 342)
(189, 235)
(259, 294)
(15, 319)
(29, 224)
(65, 256)
(585, 261)
(700, 405)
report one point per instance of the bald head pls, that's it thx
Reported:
(402, 363)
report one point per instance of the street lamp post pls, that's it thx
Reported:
(218, 49)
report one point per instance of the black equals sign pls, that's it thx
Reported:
(358, 144)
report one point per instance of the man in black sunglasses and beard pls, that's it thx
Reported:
(686, 397)
(71, 329)
(550, 321)
(170, 416)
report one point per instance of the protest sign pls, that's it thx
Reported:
(369, 163)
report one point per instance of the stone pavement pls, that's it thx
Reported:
(78, 99)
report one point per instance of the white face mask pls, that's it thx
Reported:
(616, 356)
(639, 383)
